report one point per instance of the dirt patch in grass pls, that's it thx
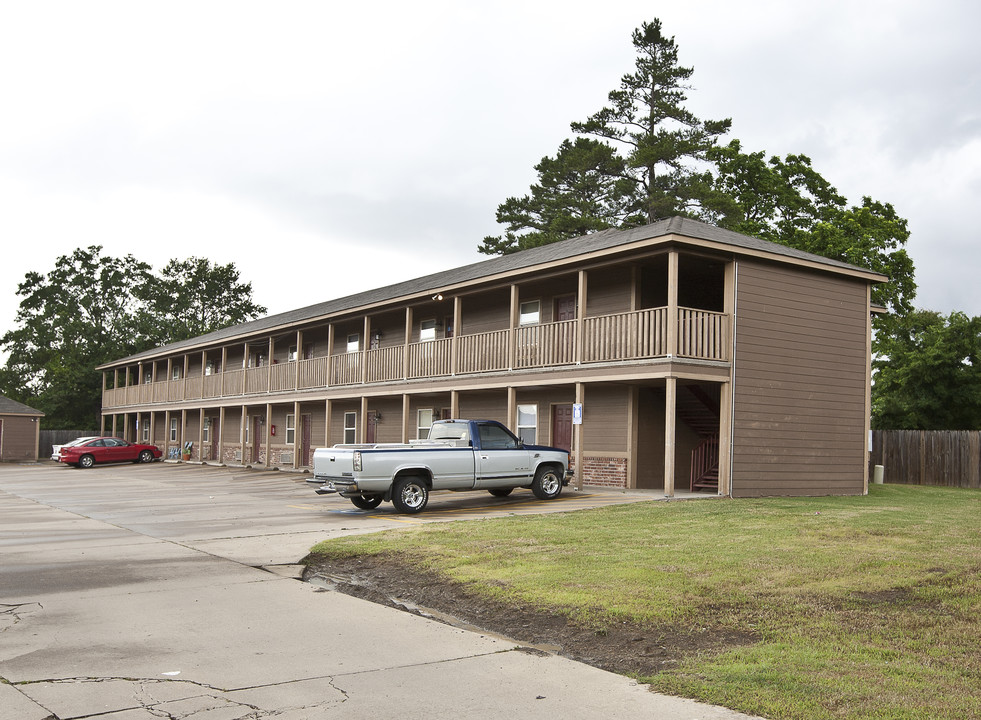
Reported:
(621, 647)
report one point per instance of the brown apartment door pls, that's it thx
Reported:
(257, 438)
(306, 452)
(372, 424)
(214, 428)
(562, 427)
(565, 308)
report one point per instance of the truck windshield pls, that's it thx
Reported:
(457, 432)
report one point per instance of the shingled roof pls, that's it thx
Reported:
(515, 262)
(12, 407)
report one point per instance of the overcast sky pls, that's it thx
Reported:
(327, 148)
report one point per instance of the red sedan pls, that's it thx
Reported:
(107, 450)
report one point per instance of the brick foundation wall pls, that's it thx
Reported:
(605, 472)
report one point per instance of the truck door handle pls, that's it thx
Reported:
(483, 457)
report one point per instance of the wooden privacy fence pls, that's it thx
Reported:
(49, 438)
(950, 458)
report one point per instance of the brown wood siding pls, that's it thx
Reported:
(608, 291)
(487, 312)
(800, 380)
(485, 406)
(604, 420)
(19, 440)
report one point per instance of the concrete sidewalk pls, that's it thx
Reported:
(97, 619)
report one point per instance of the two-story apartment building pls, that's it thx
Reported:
(674, 355)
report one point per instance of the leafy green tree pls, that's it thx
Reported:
(928, 373)
(77, 316)
(193, 297)
(645, 159)
(786, 201)
(91, 309)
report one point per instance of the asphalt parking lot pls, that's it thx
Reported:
(131, 592)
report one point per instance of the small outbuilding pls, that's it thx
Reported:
(20, 431)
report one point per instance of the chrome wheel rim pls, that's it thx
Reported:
(413, 495)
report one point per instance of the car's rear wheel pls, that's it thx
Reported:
(410, 495)
(369, 502)
(500, 492)
(547, 484)
(86, 461)
(146, 456)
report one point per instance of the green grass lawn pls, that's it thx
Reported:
(858, 607)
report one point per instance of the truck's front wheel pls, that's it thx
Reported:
(410, 495)
(547, 484)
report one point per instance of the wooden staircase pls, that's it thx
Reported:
(701, 413)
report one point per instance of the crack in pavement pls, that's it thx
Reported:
(11, 613)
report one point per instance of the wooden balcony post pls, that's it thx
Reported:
(327, 409)
(672, 334)
(114, 425)
(187, 367)
(455, 403)
(269, 362)
(408, 338)
(167, 436)
(365, 345)
(512, 409)
(454, 353)
(512, 324)
(243, 422)
(299, 357)
(330, 350)
(224, 366)
(204, 364)
(581, 315)
(670, 403)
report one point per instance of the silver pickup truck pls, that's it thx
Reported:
(458, 455)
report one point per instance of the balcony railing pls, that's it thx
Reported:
(619, 337)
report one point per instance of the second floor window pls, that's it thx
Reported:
(353, 343)
(530, 312)
(291, 355)
(427, 330)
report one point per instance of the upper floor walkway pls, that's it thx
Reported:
(636, 336)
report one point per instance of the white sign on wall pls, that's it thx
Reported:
(577, 414)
